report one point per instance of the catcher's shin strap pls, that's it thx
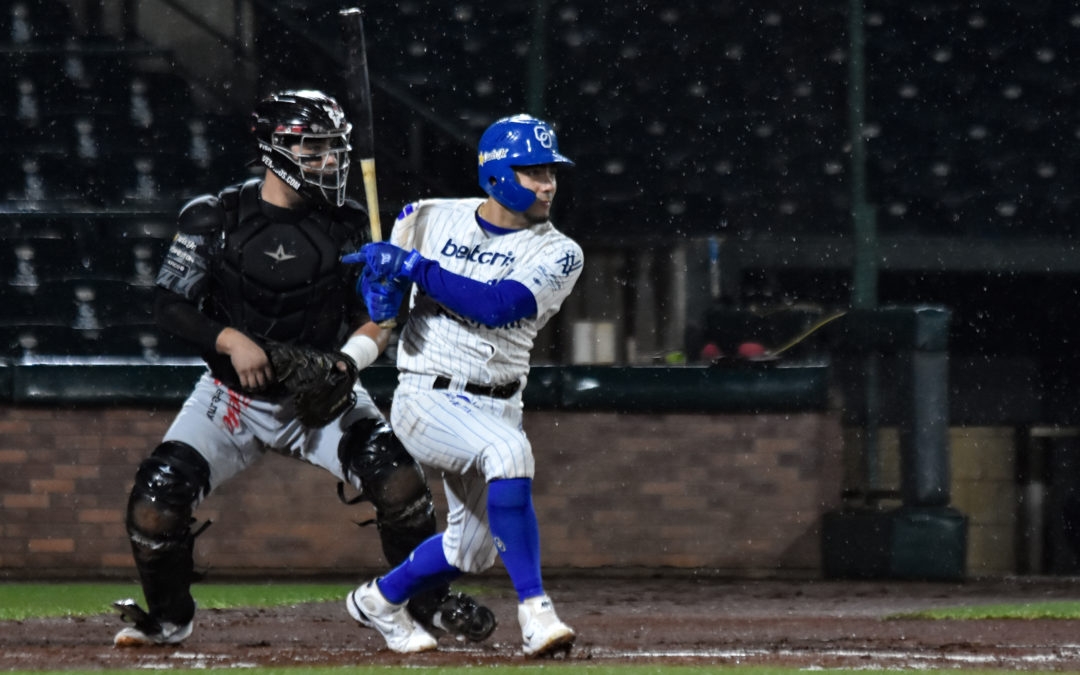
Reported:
(498, 391)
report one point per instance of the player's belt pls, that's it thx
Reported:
(498, 391)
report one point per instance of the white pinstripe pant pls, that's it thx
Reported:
(473, 440)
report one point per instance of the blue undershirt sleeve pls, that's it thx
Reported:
(490, 304)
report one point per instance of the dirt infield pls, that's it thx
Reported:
(638, 619)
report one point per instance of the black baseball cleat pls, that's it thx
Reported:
(147, 630)
(454, 613)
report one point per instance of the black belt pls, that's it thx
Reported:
(498, 391)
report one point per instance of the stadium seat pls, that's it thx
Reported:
(138, 226)
(143, 179)
(144, 341)
(80, 303)
(132, 259)
(29, 341)
(43, 182)
(25, 24)
(33, 260)
(47, 303)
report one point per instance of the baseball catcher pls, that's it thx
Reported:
(254, 278)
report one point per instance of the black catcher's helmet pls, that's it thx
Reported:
(303, 138)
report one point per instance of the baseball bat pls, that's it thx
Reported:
(358, 89)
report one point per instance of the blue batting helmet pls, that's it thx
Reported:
(521, 140)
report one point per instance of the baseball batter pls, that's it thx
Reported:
(487, 275)
(254, 278)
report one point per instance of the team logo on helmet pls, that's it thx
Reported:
(543, 134)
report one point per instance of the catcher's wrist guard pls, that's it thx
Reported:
(321, 382)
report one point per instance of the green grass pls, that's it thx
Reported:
(28, 600)
(36, 600)
(1028, 610)
(31, 600)
(544, 669)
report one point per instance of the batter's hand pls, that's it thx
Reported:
(386, 260)
(382, 296)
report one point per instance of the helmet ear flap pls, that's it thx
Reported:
(503, 185)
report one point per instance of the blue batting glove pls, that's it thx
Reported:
(382, 296)
(389, 261)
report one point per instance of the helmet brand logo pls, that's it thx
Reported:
(493, 155)
(337, 116)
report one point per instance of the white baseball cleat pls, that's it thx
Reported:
(541, 630)
(368, 606)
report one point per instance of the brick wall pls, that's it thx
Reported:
(738, 493)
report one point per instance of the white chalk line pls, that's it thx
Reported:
(1059, 654)
(913, 659)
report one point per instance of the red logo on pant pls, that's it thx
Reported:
(235, 403)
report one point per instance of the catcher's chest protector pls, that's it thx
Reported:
(282, 280)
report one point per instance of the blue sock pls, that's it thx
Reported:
(424, 569)
(517, 534)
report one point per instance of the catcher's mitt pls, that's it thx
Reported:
(322, 389)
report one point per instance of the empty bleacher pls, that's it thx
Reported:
(105, 144)
(686, 118)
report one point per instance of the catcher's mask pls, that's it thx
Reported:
(303, 138)
(521, 140)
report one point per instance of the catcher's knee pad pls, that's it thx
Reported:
(394, 482)
(168, 484)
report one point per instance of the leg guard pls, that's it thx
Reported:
(405, 515)
(393, 481)
(168, 484)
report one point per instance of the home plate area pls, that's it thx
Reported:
(663, 617)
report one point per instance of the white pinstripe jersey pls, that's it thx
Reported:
(437, 341)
